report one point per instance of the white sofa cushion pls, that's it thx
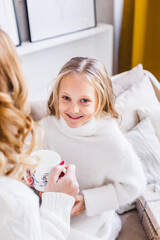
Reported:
(38, 110)
(147, 147)
(123, 81)
(140, 95)
(153, 114)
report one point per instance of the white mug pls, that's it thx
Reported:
(48, 160)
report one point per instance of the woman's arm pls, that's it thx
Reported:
(55, 215)
(57, 202)
(20, 213)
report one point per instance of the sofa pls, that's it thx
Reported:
(137, 94)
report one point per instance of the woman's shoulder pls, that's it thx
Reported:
(17, 203)
(14, 195)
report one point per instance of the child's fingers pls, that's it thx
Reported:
(75, 210)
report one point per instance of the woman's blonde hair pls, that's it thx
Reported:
(96, 73)
(15, 123)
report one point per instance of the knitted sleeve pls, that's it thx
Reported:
(22, 218)
(55, 215)
(127, 179)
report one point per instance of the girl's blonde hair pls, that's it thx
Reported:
(96, 73)
(15, 123)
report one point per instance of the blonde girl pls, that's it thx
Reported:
(82, 128)
(19, 206)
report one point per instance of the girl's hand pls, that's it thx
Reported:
(67, 184)
(79, 205)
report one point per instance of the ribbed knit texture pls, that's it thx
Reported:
(108, 171)
(57, 201)
(21, 218)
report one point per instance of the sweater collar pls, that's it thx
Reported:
(92, 127)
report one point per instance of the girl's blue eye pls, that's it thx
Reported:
(84, 100)
(66, 98)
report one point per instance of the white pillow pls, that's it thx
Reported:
(38, 110)
(147, 147)
(153, 114)
(123, 81)
(138, 96)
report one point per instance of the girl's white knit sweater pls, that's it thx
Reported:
(21, 218)
(108, 171)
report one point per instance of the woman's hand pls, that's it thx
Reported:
(67, 184)
(29, 180)
(79, 205)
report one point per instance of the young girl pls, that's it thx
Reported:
(20, 216)
(82, 128)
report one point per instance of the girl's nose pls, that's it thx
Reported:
(74, 108)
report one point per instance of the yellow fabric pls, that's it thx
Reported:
(125, 53)
(144, 43)
(139, 30)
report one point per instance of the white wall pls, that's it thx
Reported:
(104, 10)
(110, 11)
(118, 11)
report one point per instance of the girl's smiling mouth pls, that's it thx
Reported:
(73, 117)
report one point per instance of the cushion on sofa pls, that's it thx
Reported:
(38, 110)
(122, 82)
(147, 147)
(140, 95)
(153, 114)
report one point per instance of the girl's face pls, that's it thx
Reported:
(77, 100)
